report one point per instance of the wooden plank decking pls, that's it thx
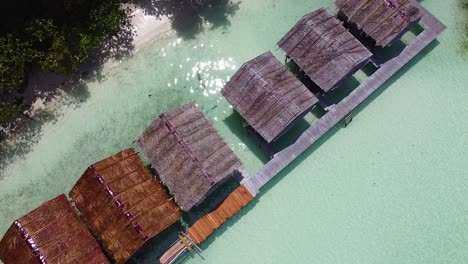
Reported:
(282, 159)
(213, 220)
(206, 226)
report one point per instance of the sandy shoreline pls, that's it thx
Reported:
(148, 28)
(43, 87)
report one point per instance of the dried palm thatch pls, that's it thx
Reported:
(123, 203)
(325, 50)
(382, 20)
(189, 155)
(51, 233)
(268, 96)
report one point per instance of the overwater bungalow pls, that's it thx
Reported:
(384, 21)
(188, 154)
(51, 233)
(324, 49)
(268, 96)
(123, 204)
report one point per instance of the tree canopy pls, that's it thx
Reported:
(60, 35)
(57, 35)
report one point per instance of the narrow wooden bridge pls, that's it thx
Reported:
(204, 227)
(250, 186)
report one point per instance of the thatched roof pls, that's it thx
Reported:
(188, 154)
(382, 20)
(325, 50)
(51, 233)
(123, 203)
(268, 96)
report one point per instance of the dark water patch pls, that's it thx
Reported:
(27, 130)
(24, 138)
(292, 134)
(237, 126)
(211, 202)
(153, 249)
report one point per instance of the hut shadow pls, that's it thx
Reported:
(344, 89)
(235, 123)
(211, 202)
(397, 76)
(292, 134)
(153, 249)
(318, 112)
(188, 19)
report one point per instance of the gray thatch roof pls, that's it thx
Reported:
(188, 154)
(325, 50)
(268, 96)
(382, 20)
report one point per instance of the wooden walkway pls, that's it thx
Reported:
(229, 207)
(206, 226)
(337, 113)
(250, 186)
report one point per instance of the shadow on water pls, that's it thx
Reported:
(155, 247)
(292, 134)
(209, 204)
(29, 129)
(188, 17)
(236, 124)
(397, 76)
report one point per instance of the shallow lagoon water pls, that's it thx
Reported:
(389, 188)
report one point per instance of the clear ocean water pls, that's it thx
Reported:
(390, 188)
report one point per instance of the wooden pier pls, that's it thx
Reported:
(338, 112)
(206, 226)
(250, 186)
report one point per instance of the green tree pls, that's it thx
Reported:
(57, 35)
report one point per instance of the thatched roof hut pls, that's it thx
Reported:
(123, 203)
(189, 155)
(382, 20)
(324, 49)
(51, 233)
(268, 96)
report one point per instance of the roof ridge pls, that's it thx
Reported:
(181, 142)
(272, 92)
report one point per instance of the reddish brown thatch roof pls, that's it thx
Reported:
(51, 233)
(188, 154)
(382, 20)
(123, 203)
(325, 50)
(268, 96)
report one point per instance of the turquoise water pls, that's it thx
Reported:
(389, 188)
